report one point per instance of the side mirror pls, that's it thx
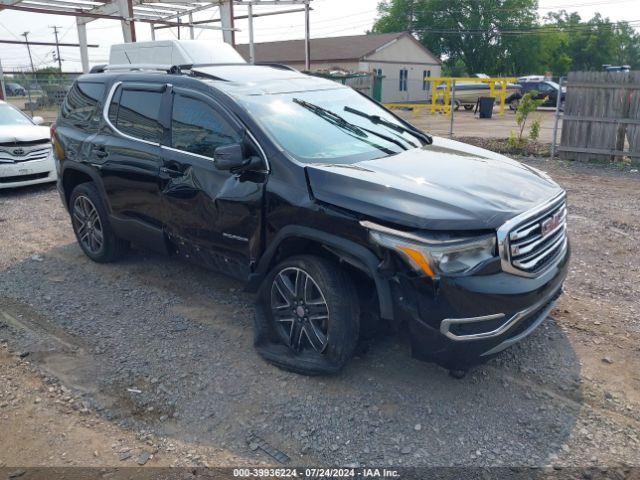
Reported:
(38, 120)
(230, 157)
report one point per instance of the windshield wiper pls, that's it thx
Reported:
(378, 120)
(354, 130)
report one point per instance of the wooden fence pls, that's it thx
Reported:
(601, 119)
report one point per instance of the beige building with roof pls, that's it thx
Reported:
(399, 57)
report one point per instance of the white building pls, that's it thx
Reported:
(399, 57)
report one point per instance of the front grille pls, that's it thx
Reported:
(29, 143)
(24, 178)
(538, 240)
(22, 153)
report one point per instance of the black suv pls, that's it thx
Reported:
(345, 219)
(545, 89)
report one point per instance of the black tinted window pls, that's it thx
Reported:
(139, 114)
(80, 104)
(197, 128)
(113, 106)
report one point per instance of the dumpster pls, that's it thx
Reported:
(485, 106)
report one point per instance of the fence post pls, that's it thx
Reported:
(3, 91)
(453, 104)
(29, 83)
(557, 117)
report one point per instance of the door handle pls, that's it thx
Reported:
(171, 172)
(100, 152)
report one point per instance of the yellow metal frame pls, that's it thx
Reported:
(445, 107)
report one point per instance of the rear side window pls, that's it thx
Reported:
(80, 106)
(137, 113)
(196, 127)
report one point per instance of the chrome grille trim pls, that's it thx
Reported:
(36, 152)
(523, 250)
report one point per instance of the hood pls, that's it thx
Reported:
(23, 133)
(447, 185)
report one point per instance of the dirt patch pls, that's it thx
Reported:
(501, 145)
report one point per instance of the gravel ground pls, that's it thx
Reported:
(161, 351)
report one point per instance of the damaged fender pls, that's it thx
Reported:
(350, 252)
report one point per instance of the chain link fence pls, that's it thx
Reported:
(37, 94)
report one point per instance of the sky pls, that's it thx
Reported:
(328, 18)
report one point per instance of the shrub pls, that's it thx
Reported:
(527, 105)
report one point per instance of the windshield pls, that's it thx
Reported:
(330, 126)
(11, 116)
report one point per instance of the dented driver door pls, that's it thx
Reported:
(211, 216)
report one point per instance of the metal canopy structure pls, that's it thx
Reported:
(159, 14)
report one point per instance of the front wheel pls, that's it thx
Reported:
(308, 316)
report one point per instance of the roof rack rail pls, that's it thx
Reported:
(143, 66)
(280, 66)
(98, 68)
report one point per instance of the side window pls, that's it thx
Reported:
(404, 73)
(425, 83)
(80, 105)
(138, 114)
(196, 127)
(113, 106)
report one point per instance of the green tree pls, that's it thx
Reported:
(591, 44)
(505, 37)
(627, 50)
(466, 30)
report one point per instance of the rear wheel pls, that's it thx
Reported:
(513, 104)
(91, 225)
(308, 316)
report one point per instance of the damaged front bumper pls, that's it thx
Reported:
(461, 321)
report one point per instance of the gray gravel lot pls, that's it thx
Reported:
(156, 345)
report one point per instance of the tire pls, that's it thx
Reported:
(468, 107)
(513, 104)
(292, 344)
(92, 227)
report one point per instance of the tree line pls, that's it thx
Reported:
(507, 37)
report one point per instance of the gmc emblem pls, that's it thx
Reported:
(551, 223)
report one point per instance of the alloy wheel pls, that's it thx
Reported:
(299, 309)
(87, 224)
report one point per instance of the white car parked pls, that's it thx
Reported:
(25, 149)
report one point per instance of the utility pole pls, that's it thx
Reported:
(26, 39)
(55, 32)
(307, 41)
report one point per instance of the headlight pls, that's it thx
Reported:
(435, 256)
